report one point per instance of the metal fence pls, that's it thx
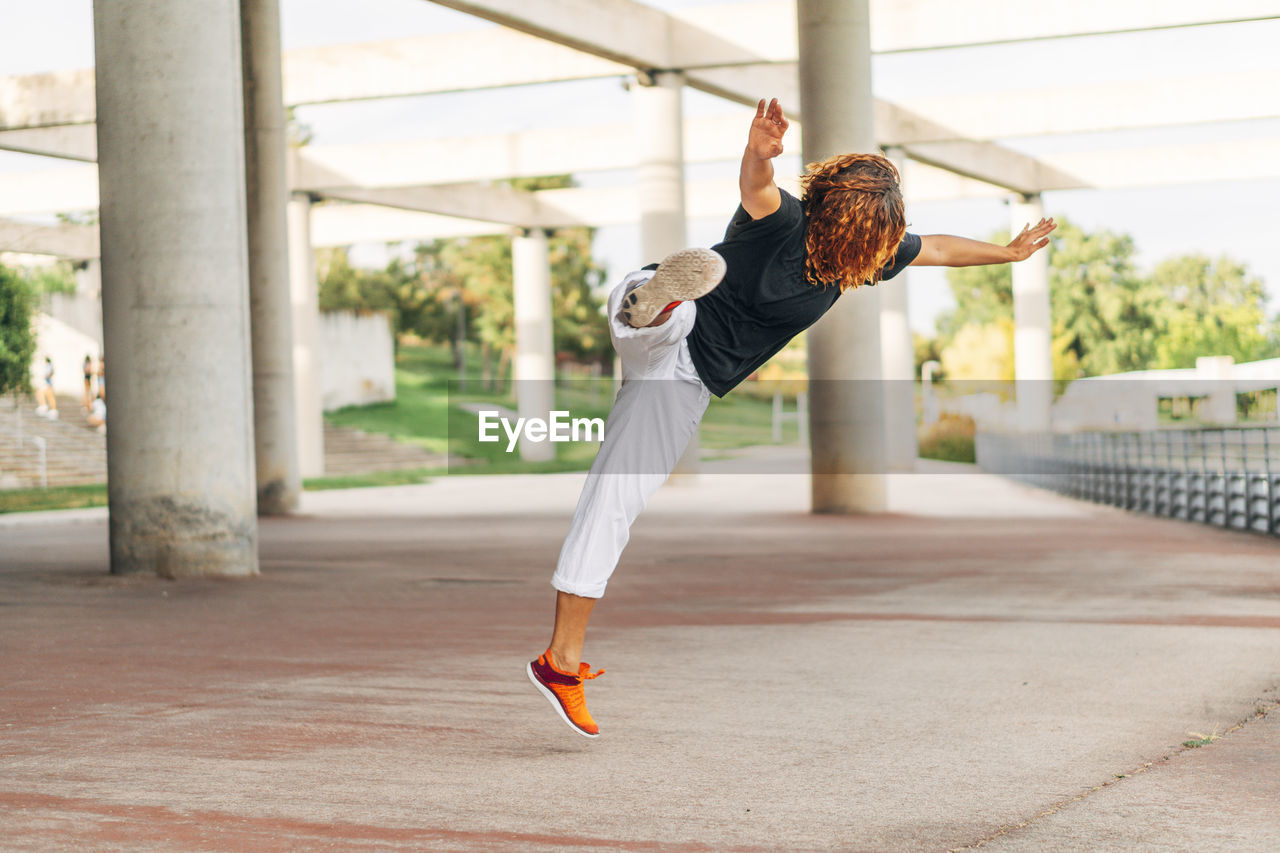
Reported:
(1227, 477)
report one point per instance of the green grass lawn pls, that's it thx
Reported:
(428, 411)
(61, 497)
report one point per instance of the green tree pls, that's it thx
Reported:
(482, 267)
(981, 352)
(17, 340)
(344, 287)
(434, 303)
(983, 295)
(464, 285)
(1103, 310)
(1210, 307)
(580, 327)
(1104, 313)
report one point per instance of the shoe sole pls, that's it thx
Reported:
(555, 702)
(683, 276)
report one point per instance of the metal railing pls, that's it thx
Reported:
(1227, 477)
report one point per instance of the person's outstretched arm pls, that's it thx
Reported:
(944, 250)
(760, 196)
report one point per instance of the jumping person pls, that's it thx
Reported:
(782, 264)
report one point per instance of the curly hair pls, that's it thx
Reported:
(855, 219)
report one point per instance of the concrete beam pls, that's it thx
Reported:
(76, 189)
(489, 157)
(68, 142)
(450, 62)
(768, 27)
(361, 173)
(621, 31)
(631, 33)
(613, 205)
(498, 204)
(346, 224)
(77, 242)
(929, 24)
(583, 39)
(1113, 168)
(1228, 96)
(992, 164)
(626, 32)
(1236, 160)
(422, 65)
(44, 100)
(557, 151)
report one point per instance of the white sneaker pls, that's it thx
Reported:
(682, 276)
(53, 414)
(41, 409)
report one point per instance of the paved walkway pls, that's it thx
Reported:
(987, 665)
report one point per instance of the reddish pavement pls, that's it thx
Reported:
(980, 674)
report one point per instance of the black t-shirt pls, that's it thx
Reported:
(764, 300)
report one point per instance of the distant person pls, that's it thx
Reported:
(48, 401)
(784, 262)
(87, 399)
(98, 414)
(102, 376)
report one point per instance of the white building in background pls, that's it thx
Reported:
(357, 359)
(1131, 401)
(65, 346)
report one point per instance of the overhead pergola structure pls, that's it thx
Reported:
(431, 188)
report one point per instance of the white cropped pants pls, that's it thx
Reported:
(658, 408)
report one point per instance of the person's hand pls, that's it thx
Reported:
(1031, 239)
(765, 139)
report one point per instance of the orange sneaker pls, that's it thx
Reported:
(564, 691)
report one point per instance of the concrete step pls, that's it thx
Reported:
(75, 453)
(352, 451)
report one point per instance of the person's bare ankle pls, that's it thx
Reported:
(562, 662)
(660, 319)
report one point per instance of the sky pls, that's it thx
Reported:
(1239, 218)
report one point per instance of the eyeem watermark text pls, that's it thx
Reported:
(560, 428)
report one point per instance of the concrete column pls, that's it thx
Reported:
(898, 360)
(180, 455)
(535, 364)
(274, 418)
(846, 395)
(304, 294)
(660, 187)
(659, 127)
(1033, 326)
